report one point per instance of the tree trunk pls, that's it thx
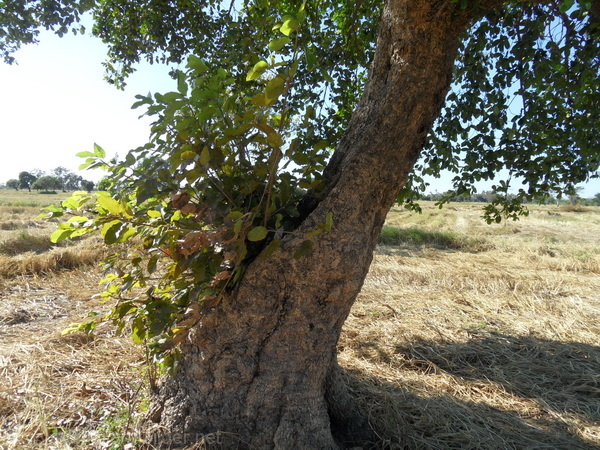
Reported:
(260, 370)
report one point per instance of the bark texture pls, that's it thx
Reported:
(260, 371)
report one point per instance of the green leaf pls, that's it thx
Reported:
(275, 88)
(197, 64)
(289, 26)
(257, 234)
(311, 59)
(87, 163)
(138, 330)
(237, 227)
(321, 145)
(99, 151)
(85, 154)
(304, 249)
(152, 263)
(260, 100)
(182, 86)
(274, 140)
(566, 5)
(234, 215)
(109, 231)
(204, 156)
(61, 235)
(258, 69)
(110, 205)
(86, 327)
(186, 156)
(277, 44)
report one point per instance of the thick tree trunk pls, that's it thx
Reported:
(260, 370)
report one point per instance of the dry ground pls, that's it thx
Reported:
(465, 336)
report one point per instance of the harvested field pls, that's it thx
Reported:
(465, 336)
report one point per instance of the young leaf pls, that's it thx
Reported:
(275, 88)
(61, 235)
(182, 86)
(258, 69)
(257, 234)
(275, 140)
(289, 26)
(85, 154)
(277, 44)
(197, 64)
(110, 204)
(99, 151)
(204, 156)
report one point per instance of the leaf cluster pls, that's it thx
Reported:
(525, 103)
(218, 184)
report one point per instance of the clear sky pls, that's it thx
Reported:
(55, 103)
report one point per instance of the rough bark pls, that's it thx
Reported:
(260, 370)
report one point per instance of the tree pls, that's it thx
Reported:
(13, 184)
(72, 181)
(104, 184)
(574, 196)
(87, 185)
(261, 239)
(47, 183)
(26, 179)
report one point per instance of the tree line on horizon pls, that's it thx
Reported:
(58, 179)
(489, 196)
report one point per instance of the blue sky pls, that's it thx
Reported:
(55, 104)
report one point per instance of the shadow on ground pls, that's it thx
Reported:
(552, 392)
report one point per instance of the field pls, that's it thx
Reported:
(465, 335)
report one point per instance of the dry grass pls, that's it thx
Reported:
(34, 199)
(25, 247)
(492, 345)
(57, 392)
(496, 349)
(62, 392)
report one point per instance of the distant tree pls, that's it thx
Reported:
(26, 179)
(13, 184)
(574, 196)
(47, 183)
(595, 200)
(87, 185)
(62, 173)
(104, 184)
(72, 182)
